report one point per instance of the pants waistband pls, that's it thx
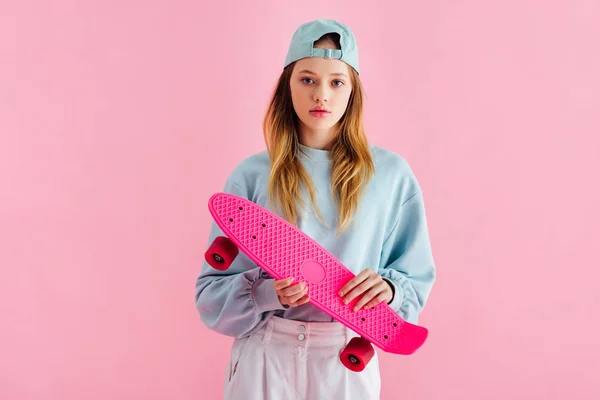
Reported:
(303, 333)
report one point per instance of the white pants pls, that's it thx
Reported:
(295, 360)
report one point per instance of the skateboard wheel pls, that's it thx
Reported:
(357, 354)
(221, 253)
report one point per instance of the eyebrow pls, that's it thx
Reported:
(334, 74)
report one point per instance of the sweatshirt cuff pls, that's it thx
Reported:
(398, 295)
(265, 297)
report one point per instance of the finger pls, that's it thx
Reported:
(365, 298)
(301, 301)
(358, 279)
(378, 299)
(294, 298)
(363, 287)
(293, 290)
(305, 299)
(362, 276)
(384, 295)
(368, 296)
(282, 283)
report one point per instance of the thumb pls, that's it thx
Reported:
(281, 283)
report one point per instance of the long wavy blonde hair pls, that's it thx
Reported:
(352, 164)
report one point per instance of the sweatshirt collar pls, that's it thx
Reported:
(314, 154)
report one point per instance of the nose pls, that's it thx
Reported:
(321, 93)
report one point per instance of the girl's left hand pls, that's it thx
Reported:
(371, 285)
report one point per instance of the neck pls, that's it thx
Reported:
(320, 140)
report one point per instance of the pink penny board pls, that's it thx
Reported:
(284, 251)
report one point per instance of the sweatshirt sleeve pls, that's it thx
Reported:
(237, 301)
(407, 261)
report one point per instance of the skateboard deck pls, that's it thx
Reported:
(284, 251)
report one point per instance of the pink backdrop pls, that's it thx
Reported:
(107, 161)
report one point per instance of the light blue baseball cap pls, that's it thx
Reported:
(308, 33)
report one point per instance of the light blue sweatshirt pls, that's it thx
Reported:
(388, 235)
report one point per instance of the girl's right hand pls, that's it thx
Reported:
(292, 296)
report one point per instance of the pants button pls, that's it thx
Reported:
(302, 328)
(301, 336)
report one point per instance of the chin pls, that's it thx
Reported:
(321, 126)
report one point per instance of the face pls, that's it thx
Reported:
(319, 82)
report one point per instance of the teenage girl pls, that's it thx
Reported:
(359, 201)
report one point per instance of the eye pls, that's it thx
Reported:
(341, 83)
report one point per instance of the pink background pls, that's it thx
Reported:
(107, 162)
